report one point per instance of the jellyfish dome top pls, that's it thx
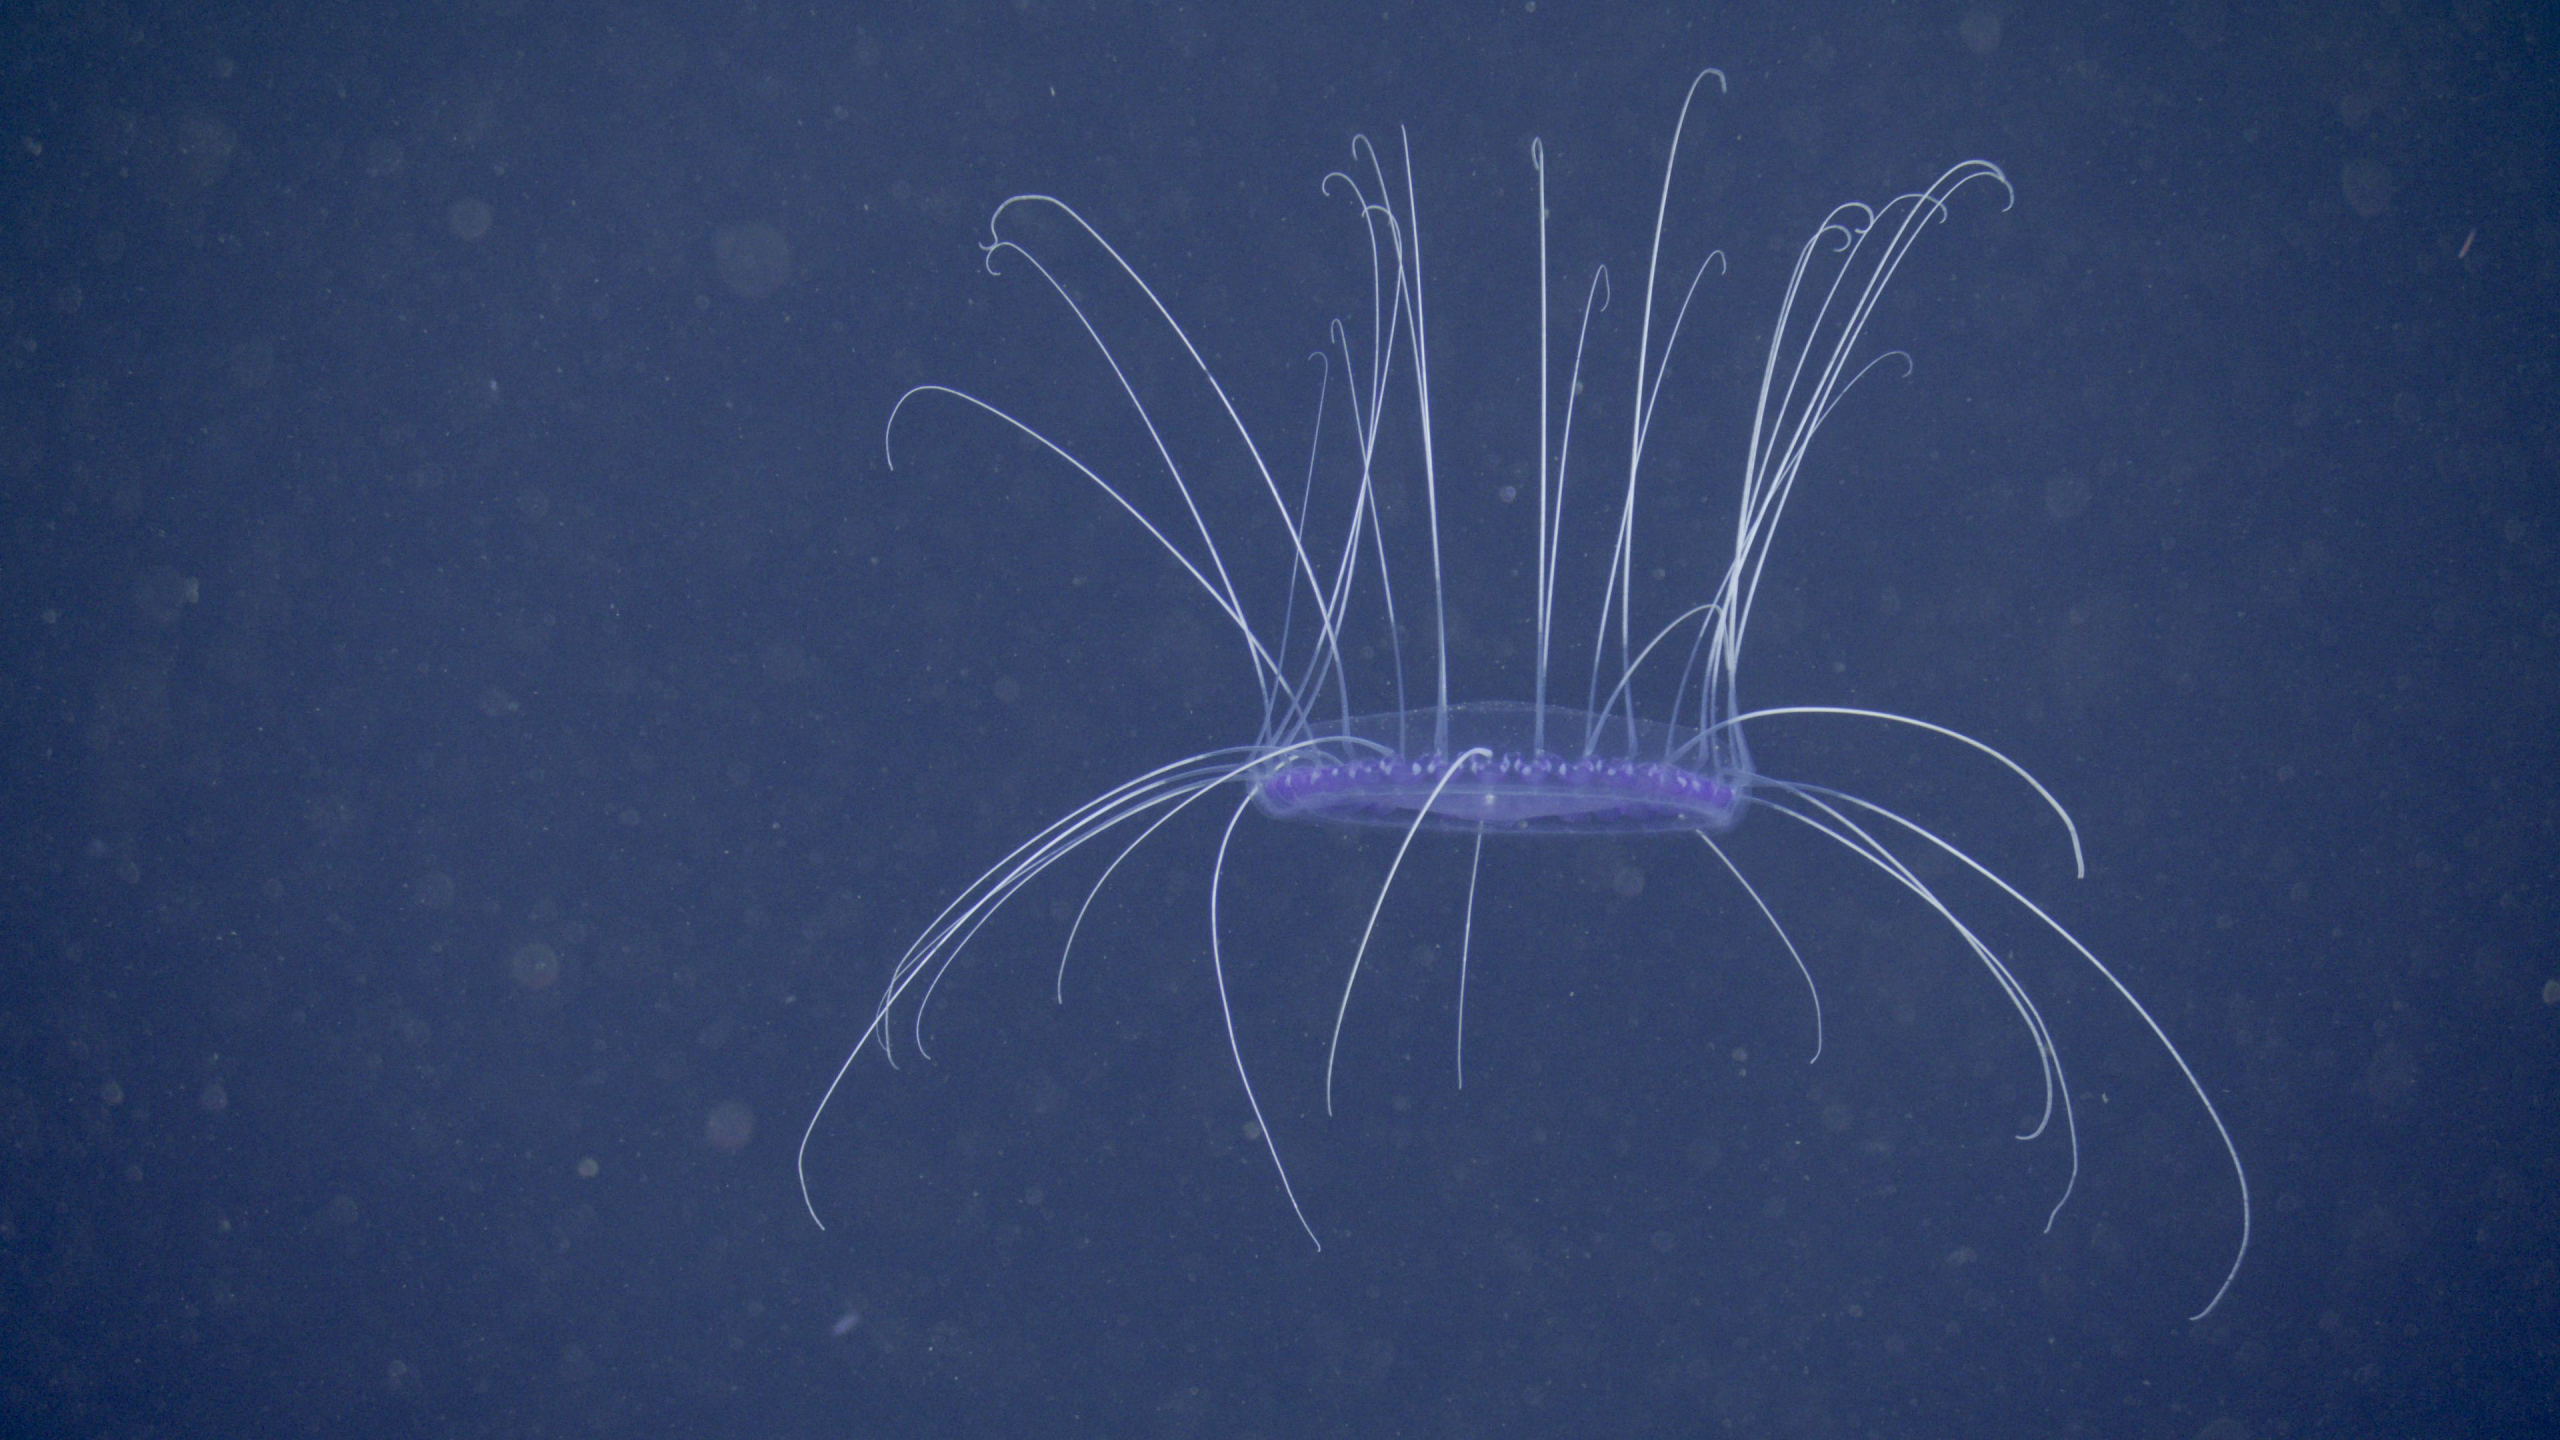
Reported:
(1501, 780)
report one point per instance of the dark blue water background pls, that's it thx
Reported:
(481, 720)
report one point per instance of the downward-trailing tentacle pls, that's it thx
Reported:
(1175, 806)
(990, 890)
(2230, 1149)
(1177, 785)
(1226, 1012)
(1334, 1048)
(1849, 835)
(1466, 946)
(1811, 989)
